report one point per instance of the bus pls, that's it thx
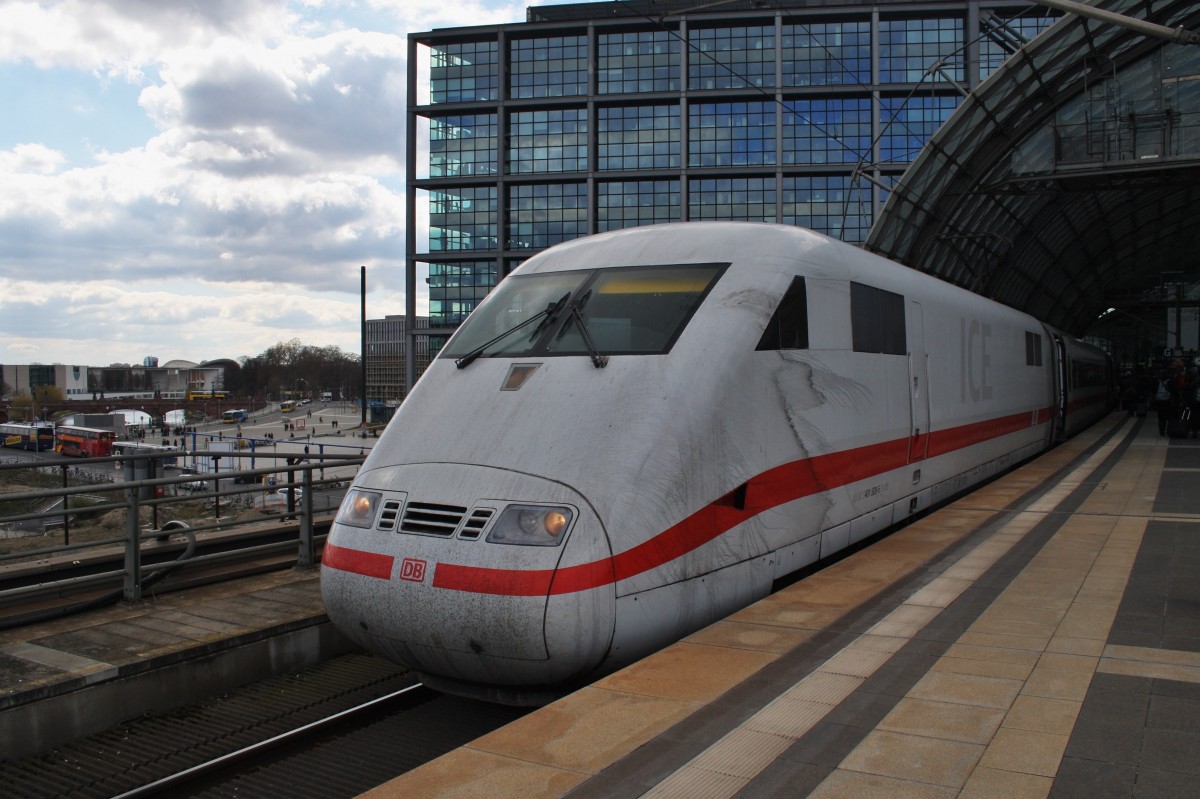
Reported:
(287, 406)
(84, 442)
(35, 437)
(235, 417)
(204, 395)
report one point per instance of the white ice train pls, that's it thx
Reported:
(636, 433)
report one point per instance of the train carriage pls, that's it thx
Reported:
(636, 433)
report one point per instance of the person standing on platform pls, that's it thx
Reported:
(1162, 401)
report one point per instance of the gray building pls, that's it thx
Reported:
(387, 357)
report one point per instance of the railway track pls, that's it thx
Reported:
(332, 731)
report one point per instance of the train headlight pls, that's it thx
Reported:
(358, 508)
(531, 525)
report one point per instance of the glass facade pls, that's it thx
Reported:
(547, 140)
(731, 58)
(1001, 36)
(463, 219)
(638, 137)
(542, 215)
(908, 122)
(731, 134)
(766, 114)
(827, 131)
(827, 54)
(645, 61)
(832, 204)
(909, 48)
(462, 145)
(456, 288)
(621, 204)
(463, 72)
(555, 66)
(740, 199)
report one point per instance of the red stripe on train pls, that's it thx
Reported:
(774, 487)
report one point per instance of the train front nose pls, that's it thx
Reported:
(471, 574)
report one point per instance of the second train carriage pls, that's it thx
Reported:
(636, 433)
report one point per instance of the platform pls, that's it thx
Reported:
(1040, 637)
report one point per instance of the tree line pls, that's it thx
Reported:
(293, 368)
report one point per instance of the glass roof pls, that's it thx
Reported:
(1069, 180)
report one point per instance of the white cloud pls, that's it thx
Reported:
(274, 174)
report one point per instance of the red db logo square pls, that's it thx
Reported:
(412, 570)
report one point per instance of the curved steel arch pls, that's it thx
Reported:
(1061, 242)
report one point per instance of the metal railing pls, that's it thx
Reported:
(284, 492)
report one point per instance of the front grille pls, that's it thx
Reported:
(475, 524)
(389, 514)
(430, 519)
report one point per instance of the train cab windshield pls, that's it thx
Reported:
(613, 311)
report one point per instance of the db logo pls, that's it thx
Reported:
(412, 570)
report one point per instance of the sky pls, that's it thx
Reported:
(202, 179)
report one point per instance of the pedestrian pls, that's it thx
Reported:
(1163, 403)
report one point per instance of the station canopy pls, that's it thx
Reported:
(1068, 183)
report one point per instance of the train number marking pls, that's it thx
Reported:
(413, 570)
(976, 362)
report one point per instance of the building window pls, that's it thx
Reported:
(827, 54)
(464, 72)
(1000, 38)
(731, 134)
(638, 137)
(462, 145)
(743, 199)
(827, 131)
(638, 62)
(788, 328)
(731, 58)
(908, 122)
(456, 288)
(622, 204)
(877, 320)
(548, 140)
(909, 47)
(462, 219)
(552, 67)
(828, 204)
(541, 215)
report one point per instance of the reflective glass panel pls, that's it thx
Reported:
(827, 54)
(462, 145)
(731, 58)
(638, 137)
(548, 140)
(463, 72)
(731, 134)
(554, 66)
(646, 61)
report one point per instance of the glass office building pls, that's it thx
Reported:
(598, 116)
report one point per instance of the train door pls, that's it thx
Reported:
(918, 373)
(1062, 377)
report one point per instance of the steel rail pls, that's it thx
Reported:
(201, 769)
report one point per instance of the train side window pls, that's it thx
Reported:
(1033, 349)
(877, 320)
(788, 328)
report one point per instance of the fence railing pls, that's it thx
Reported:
(294, 488)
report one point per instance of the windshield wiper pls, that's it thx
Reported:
(573, 315)
(547, 316)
